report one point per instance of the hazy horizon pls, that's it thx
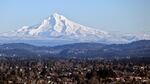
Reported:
(117, 16)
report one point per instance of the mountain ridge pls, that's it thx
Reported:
(92, 50)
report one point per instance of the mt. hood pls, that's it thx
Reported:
(57, 29)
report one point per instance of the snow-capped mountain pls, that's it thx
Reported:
(59, 28)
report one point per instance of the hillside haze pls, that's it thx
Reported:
(78, 50)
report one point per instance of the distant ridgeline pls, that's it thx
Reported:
(78, 50)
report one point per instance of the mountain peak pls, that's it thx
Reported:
(56, 16)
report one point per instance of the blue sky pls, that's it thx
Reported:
(124, 16)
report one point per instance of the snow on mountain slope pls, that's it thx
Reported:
(58, 27)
